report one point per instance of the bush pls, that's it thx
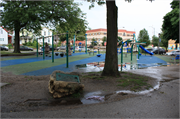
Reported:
(34, 44)
(29, 44)
(10, 46)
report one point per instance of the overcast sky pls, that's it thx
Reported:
(132, 16)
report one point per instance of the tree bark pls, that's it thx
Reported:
(111, 61)
(17, 41)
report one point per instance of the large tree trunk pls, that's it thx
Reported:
(17, 41)
(111, 61)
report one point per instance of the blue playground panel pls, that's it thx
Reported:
(28, 60)
(128, 50)
(149, 61)
(177, 57)
(62, 67)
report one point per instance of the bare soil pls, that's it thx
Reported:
(30, 93)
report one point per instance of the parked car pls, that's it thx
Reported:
(173, 53)
(4, 48)
(50, 48)
(161, 51)
(25, 48)
(77, 48)
(150, 49)
(61, 48)
(82, 48)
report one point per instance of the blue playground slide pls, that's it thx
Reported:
(146, 50)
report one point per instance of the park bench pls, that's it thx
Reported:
(67, 77)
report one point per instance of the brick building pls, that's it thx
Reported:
(98, 34)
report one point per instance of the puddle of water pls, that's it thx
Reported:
(99, 66)
(99, 94)
(85, 99)
(156, 87)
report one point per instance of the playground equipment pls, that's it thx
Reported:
(147, 51)
(139, 45)
(75, 41)
(67, 61)
(122, 51)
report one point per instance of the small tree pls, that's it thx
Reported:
(104, 40)
(94, 42)
(155, 40)
(119, 41)
(164, 42)
(144, 37)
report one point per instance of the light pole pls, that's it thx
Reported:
(154, 30)
(158, 42)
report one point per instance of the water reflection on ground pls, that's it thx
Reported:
(99, 66)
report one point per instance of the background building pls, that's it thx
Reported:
(5, 36)
(46, 32)
(172, 45)
(98, 34)
(26, 36)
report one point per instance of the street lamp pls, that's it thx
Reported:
(154, 29)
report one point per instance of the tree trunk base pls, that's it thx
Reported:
(16, 52)
(112, 73)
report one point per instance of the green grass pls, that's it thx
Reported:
(167, 58)
(11, 53)
(135, 83)
(93, 77)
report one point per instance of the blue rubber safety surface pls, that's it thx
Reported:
(149, 61)
(35, 59)
(72, 66)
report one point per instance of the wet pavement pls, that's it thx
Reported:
(161, 102)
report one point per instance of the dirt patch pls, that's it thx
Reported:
(30, 93)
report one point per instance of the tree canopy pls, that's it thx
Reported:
(144, 37)
(104, 39)
(170, 25)
(94, 42)
(31, 15)
(155, 40)
(119, 41)
(164, 42)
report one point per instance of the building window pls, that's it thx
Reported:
(44, 32)
(48, 33)
(89, 34)
(93, 33)
(99, 39)
(124, 34)
(1, 39)
(104, 33)
(99, 33)
(48, 40)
